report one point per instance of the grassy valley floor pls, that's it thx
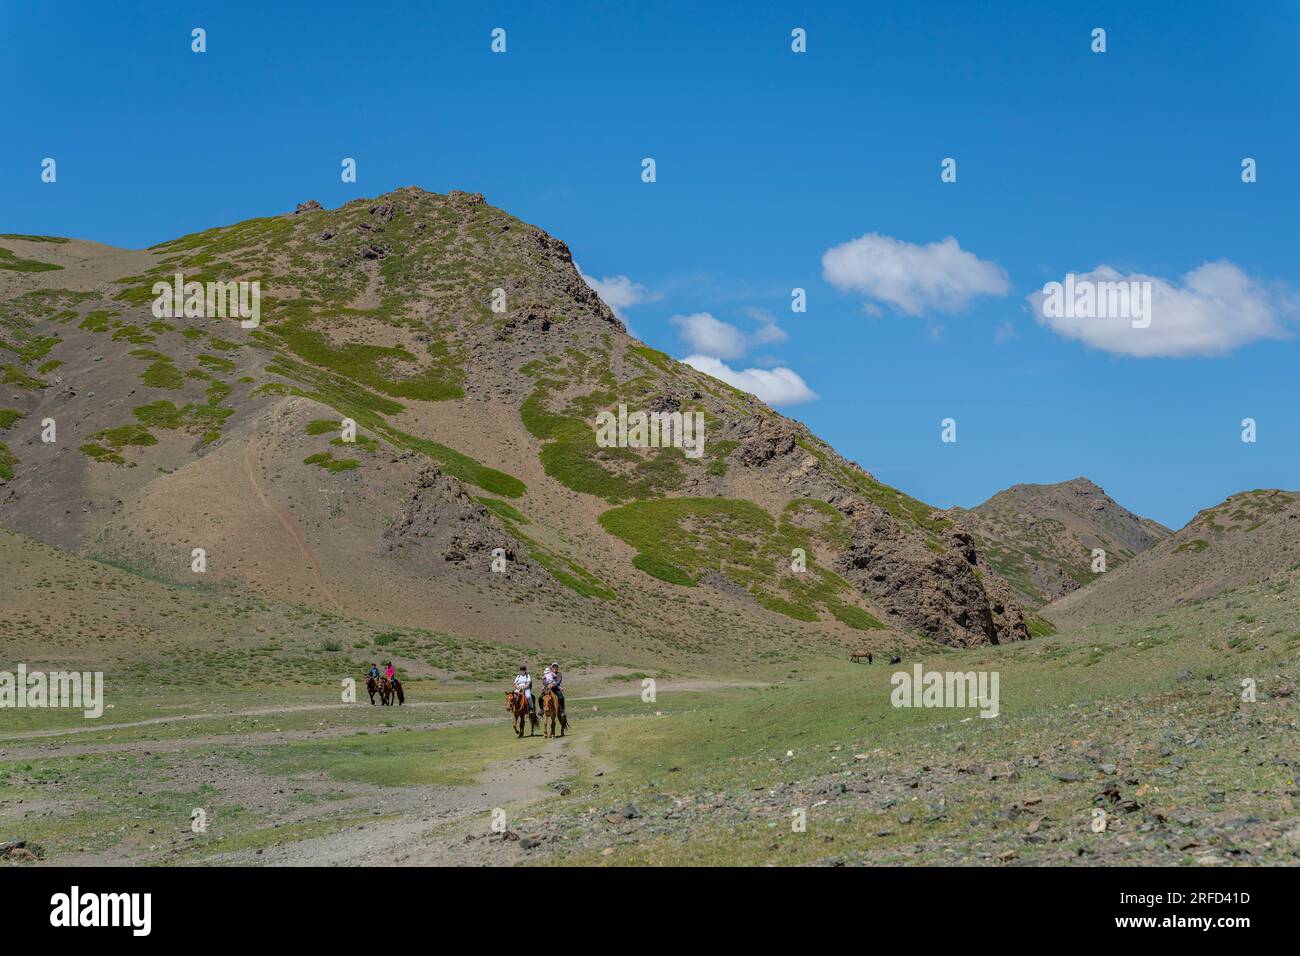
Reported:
(1143, 720)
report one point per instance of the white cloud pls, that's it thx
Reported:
(768, 332)
(1215, 309)
(777, 386)
(706, 335)
(709, 336)
(619, 292)
(938, 277)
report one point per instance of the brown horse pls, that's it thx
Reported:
(551, 714)
(390, 689)
(857, 656)
(372, 687)
(520, 712)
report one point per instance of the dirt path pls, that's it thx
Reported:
(178, 718)
(666, 687)
(437, 826)
(252, 463)
(680, 687)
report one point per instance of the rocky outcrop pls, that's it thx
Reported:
(439, 518)
(942, 594)
(384, 211)
(764, 438)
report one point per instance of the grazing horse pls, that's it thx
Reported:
(520, 712)
(896, 659)
(857, 656)
(551, 715)
(372, 687)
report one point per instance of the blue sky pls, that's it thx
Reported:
(1067, 161)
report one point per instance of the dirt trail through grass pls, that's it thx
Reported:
(436, 826)
(89, 728)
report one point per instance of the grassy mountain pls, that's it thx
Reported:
(1250, 540)
(1041, 538)
(475, 438)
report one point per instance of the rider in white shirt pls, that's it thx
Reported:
(524, 683)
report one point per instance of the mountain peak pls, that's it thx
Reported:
(1084, 485)
(1043, 538)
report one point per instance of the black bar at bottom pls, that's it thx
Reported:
(974, 906)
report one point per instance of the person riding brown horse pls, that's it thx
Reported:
(553, 680)
(552, 715)
(521, 712)
(389, 687)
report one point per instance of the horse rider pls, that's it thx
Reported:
(374, 672)
(551, 681)
(524, 683)
(390, 673)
